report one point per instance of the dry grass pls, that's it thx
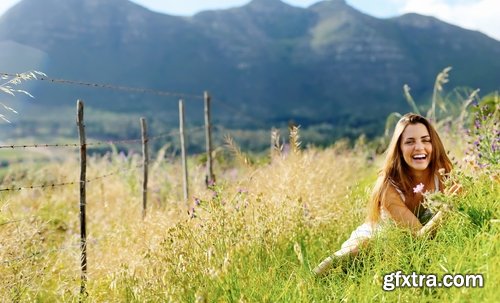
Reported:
(40, 253)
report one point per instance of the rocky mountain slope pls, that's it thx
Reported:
(267, 61)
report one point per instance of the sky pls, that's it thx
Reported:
(482, 15)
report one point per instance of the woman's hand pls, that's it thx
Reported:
(431, 226)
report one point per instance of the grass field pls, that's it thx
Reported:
(254, 236)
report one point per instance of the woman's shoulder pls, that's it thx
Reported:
(393, 186)
(392, 193)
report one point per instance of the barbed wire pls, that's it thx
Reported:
(14, 188)
(15, 221)
(113, 173)
(39, 253)
(97, 143)
(111, 86)
(43, 145)
(54, 185)
(238, 111)
(19, 259)
(38, 145)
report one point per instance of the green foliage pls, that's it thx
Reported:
(484, 134)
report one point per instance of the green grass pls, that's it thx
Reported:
(270, 270)
(254, 238)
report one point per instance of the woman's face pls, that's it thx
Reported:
(416, 146)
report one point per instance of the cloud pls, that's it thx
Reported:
(188, 7)
(6, 4)
(482, 15)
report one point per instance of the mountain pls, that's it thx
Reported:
(266, 62)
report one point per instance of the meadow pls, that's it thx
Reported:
(253, 237)
(256, 234)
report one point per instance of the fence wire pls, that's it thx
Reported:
(54, 185)
(40, 253)
(16, 221)
(97, 143)
(111, 87)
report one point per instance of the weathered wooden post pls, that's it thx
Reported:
(145, 161)
(83, 182)
(183, 151)
(209, 178)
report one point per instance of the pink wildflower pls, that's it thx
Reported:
(419, 188)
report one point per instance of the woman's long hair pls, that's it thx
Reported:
(395, 170)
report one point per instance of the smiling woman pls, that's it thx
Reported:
(415, 162)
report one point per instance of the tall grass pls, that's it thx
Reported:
(253, 237)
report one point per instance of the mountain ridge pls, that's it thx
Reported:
(273, 62)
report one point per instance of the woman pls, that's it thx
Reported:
(416, 162)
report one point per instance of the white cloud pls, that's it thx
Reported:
(6, 4)
(482, 15)
(188, 7)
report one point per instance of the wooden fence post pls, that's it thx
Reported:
(83, 182)
(209, 178)
(145, 161)
(183, 152)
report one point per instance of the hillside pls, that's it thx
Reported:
(269, 62)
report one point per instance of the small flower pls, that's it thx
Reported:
(306, 210)
(210, 182)
(192, 213)
(419, 188)
(197, 201)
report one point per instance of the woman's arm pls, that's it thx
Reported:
(399, 212)
(431, 225)
(402, 216)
